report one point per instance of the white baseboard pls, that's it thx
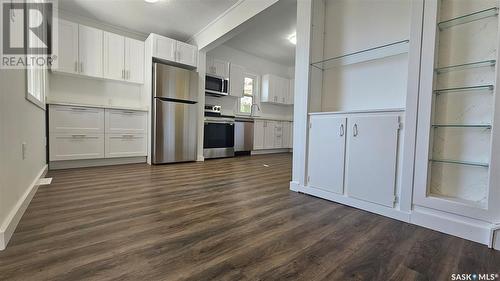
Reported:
(9, 226)
(353, 202)
(70, 164)
(496, 240)
(270, 151)
(466, 228)
(294, 186)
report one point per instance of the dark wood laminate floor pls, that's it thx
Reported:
(228, 219)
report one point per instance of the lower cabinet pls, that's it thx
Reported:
(355, 156)
(371, 158)
(272, 134)
(76, 146)
(118, 145)
(118, 133)
(326, 153)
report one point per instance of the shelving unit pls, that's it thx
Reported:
(462, 91)
(378, 52)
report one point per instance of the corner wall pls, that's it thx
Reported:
(20, 121)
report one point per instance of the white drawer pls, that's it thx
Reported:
(76, 146)
(75, 119)
(126, 122)
(126, 145)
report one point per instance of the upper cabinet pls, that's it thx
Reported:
(175, 51)
(236, 80)
(92, 52)
(276, 89)
(217, 67)
(67, 47)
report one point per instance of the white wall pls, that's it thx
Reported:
(350, 26)
(91, 91)
(253, 65)
(20, 121)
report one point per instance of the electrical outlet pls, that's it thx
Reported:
(24, 150)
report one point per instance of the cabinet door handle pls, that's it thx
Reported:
(81, 67)
(342, 131)
(355, 130)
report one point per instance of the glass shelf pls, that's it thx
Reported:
(486, 126)
(457, 162)
(465, 66)
(461, 89)
(469, 18)
(387, 50)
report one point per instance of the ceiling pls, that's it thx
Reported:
(266, 35)
(178, 19)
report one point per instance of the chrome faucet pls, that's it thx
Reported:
(252, 112)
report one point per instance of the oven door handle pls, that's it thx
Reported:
(219, 122)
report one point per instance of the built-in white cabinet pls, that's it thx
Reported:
(272, 134)
(327, 140)
(372, 144)
(67, 47)
(359, 151)
(175, 51)
(123, 58)
(88, 51)
(276, 89)
(217, 67)
(236, 80)
(79, 133)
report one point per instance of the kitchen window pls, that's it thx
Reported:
(249, 94)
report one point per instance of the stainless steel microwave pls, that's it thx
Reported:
(216, 85)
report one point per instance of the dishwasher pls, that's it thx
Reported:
(243, 136)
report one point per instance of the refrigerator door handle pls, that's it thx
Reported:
(176, 100)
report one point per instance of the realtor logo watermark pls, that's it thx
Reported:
(29, 33)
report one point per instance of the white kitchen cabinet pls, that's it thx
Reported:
(275, 89)
(175, 51)
(77, 133)
(258, 134)
(217, 67)
(90, 51)
(269, 134)
(165, 48)
(372, 158)
(236, 80)
(278, 134)
(287, 134)
(291, 92)
(76, 146)
(67, 48)
(187, 54)
(327, 135)
(75, 119)
(125, 145)
(125, 121)
(114, 53)
(134, 60)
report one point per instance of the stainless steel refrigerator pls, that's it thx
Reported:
(175, 115)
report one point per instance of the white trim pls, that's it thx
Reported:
(270, 151)
(70, 164)
(192, 38)
(356, 203)
(470, 229)
(15, 215)
(294, 186)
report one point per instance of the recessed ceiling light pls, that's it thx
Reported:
(151, 1)
(293, 38)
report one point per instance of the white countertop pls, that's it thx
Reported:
(263, 118)
(99, 106)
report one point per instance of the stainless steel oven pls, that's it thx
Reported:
(216, 85)
(218, 140)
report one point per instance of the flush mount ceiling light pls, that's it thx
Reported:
(151, 1)
(293, 38)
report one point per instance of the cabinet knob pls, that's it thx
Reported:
(355, 130)
(342, 131)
